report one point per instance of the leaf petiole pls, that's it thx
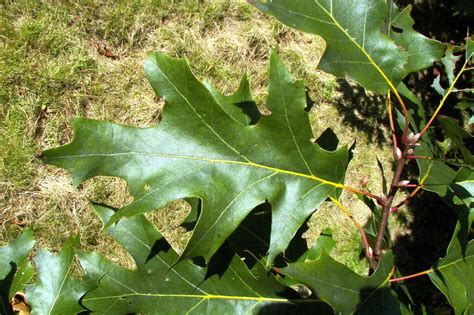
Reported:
(368, 249)
(415, 275)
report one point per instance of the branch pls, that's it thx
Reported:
(387, 201)
(387, 205)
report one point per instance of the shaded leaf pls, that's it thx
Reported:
(25, 273)
(457, 138)
(158, 286)
(343, 289)
(14, 268)
(407, 305)
(356, 45)
(416, 112)
(436, 174)
(198, 150)
(470, 49)
(251, 240)
(383, 177)
(449, 62)
(324, 242)
(56, 292)
(464, 188)
(15, 252)
(422, 51)
(436, 85)
(460, 196)
(465, 104)
(454, 275)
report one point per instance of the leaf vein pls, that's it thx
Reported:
(290, 128)
(209, 160)
(200, 116)
(60, 287)
(229, 205)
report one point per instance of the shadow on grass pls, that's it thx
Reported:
(363, 111)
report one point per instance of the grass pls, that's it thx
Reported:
(51, 69)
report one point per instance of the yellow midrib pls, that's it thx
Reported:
(206, 297)
(362, 49)
(196, 158)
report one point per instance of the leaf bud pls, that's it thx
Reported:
(370, 252)
(412, 139)
(398, 154)
(403, 183)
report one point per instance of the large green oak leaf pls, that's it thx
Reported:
(202, 149)
(357, 45)
(159, 286)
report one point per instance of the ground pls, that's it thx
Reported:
(59, 60)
